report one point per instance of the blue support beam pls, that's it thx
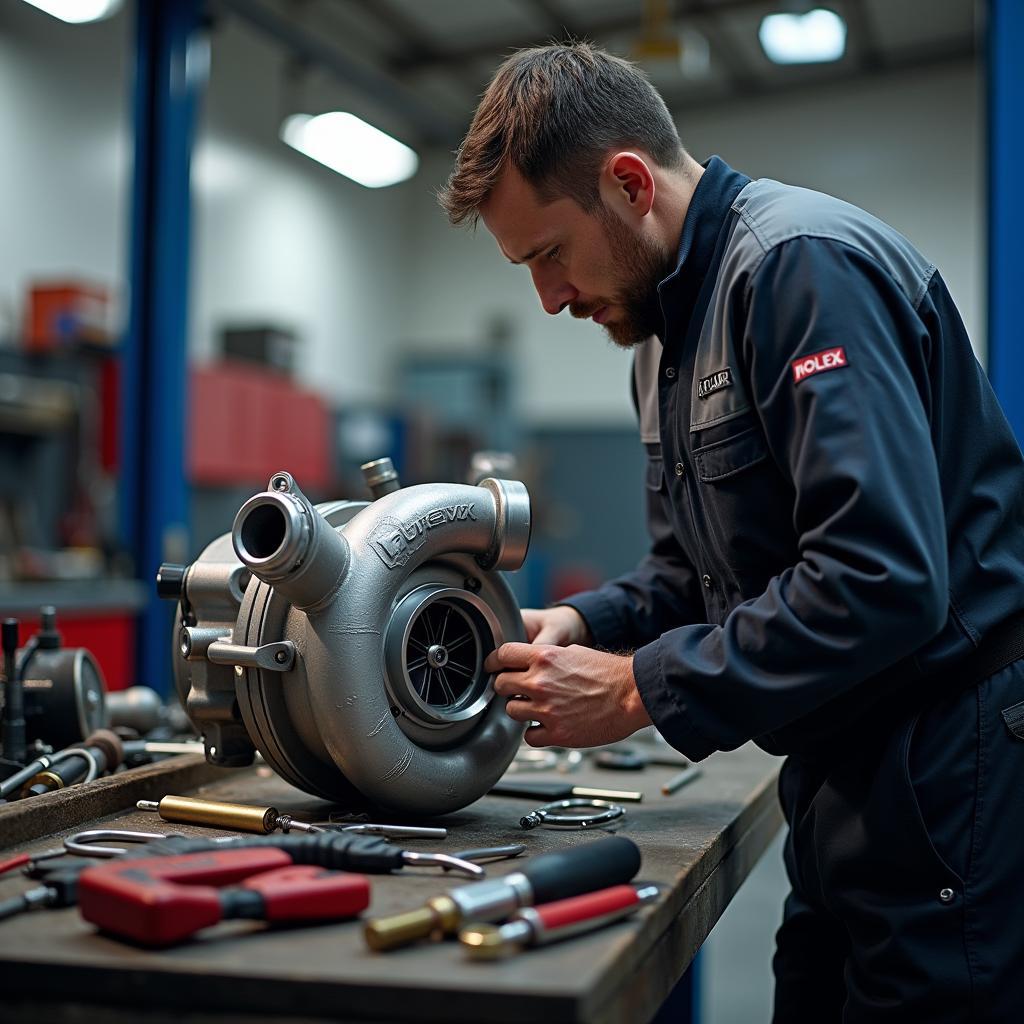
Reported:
(1006, 207)
(153, 491)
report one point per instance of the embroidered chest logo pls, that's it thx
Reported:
(818, 362)
(708, 385)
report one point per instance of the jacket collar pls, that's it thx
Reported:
(705, 217)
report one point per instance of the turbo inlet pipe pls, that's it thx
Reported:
(285, 542)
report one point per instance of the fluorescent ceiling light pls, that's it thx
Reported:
(812, 38)
(351, 147)
(77, 12)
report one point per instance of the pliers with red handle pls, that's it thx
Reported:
(158, 901)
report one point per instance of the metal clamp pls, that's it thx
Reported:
(584, 813)
(276, 657)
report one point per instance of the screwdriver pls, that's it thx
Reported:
(533, 788)
(551, 922)
(549, 877)
(188, 810)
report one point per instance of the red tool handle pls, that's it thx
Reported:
(160, 900)
(304, 892)
(577, 909)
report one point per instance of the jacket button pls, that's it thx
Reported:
(946, 895)
(680, 469)
(670, 372)
(706, 580)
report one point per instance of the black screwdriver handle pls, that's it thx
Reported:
(596, 865)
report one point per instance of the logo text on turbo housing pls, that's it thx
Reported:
(395, 541)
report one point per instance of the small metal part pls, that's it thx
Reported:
(275, 657)
(86, 844)
(574, 813)
(554, 790)
(216, 813)
(559, 759)
(530, 759)
(686, 776)
(443, 860)
(393, 831)
(486, 854)
(380, 477)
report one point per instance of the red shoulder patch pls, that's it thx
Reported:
(818, 362)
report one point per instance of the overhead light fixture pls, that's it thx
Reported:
(78, 12)
(816, 37)
(350, 146)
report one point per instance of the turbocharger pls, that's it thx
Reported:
(346, 641)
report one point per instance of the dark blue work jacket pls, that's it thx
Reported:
(835, 499)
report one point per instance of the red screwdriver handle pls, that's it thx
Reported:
(304, 892)
(577, 909)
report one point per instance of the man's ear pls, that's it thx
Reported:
(627, 185)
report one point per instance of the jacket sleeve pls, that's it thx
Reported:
(870, 583)
(658, 595)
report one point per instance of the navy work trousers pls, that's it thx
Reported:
(906, 861)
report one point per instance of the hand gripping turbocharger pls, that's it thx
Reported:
(346, 641)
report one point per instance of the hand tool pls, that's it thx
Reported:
(161, 900)
(581, 814)
(633, 759)
(14, 782)
(135, 747)
(686, 776)
(339, 851)
(190, 810)
(552, 922)
(542, 879)
(83, 844)
(486, 854)
(343, 851)
(102, 751)
(533, 788)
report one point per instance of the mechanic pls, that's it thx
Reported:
(836, 504)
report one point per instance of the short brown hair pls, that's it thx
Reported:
(553, 112)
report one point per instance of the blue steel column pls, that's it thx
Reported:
(154, 498)
(1006, 207)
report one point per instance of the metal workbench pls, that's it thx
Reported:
(701, 843)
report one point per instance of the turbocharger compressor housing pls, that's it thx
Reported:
(346, 641)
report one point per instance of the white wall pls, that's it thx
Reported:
(907, 147)
(64, 170)
(280, 238)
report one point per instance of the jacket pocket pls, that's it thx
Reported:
(722, 459)
(747, 507)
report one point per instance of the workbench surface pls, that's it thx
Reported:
(701, 843)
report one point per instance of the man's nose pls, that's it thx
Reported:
(555, 292)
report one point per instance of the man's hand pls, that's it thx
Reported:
(580, 697)
(561, 626)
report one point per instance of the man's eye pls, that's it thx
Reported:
(553, 254)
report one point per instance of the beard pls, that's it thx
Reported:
(645, 264)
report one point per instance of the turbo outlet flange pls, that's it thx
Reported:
(346, 641)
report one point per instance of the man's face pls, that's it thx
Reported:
(593, 263)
